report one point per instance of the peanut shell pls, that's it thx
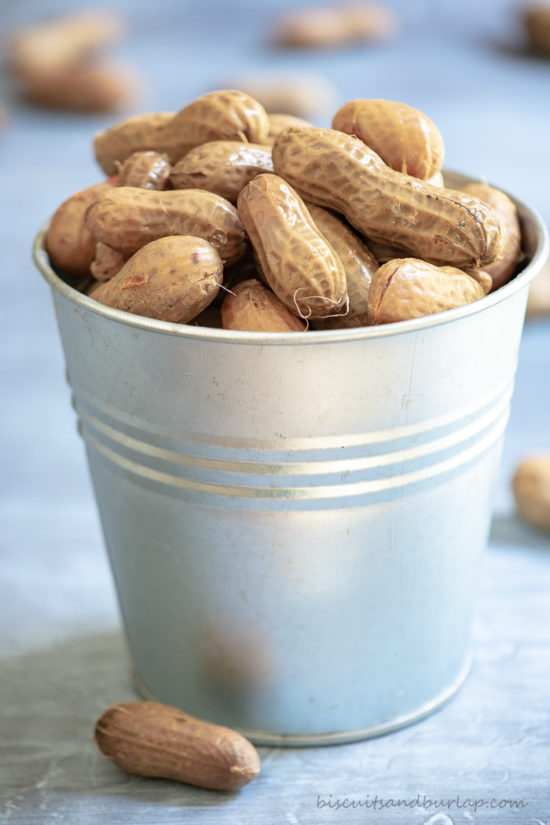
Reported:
(253, 307)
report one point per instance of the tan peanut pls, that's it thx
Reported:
(151, 131)
(155, 740)
(403, 137)
(98, 87)
(337, 25)
(221, 166)
(384, 252)
(145, 170)
(127, 218)
(501, 269)
(410, 288)
(223, 115)
(298, 264)
(280, 121)
(69, 243)
(337, 170)
(531, 487)
(173, 279)
(106, 263)
(538, 303)
(536, 18)
(53, 45)
(358, 262)
(252, 307)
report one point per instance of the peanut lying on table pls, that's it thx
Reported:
(338, 25)
(340, 237)
(531, 486)
(156, 740)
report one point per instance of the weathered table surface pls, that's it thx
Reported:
(63, 657)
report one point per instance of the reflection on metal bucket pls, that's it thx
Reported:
(294, 521)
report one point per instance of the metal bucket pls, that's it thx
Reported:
(294, 521)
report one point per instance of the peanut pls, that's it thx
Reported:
(403, 137)
(51, 46)
(384, 252)
(538, 303)
(150, 739)
(358, 262)
(69, 242)
(502, 268)
(145, 170)
(536, 18)
(410, 288)
(335, 26)
(279, 121)
(221, 166)
(127, 218)
(106, 263)
(254, 308)
(531, 487)
(173, 279)
(150, 131)
(98, 87)
(221, 115)
(298, 264)
(333, 169)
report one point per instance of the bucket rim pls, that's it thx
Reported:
(528, 216)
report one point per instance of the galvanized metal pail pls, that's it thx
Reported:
(294, 521)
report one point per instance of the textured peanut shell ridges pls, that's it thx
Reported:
(336, 170)
(156, 740)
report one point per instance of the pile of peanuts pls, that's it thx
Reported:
(224, 216)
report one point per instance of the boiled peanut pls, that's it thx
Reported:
(150, 131)
(337, 170)
(222, 115)
(384, 252)
(221, 166)
(145, 170)
(437, 180)
(301, 95)
(54, 45)
(335, 26)
(173, 279)
(127, 218)
(279, 121)
(298, 264)
(155, 740)
(403, 137)
(69, 243)
(531, 487)
(538, 303)
(502, 268)
(537, 23)
(106, 263)
(250, 306)
(98, 87)
(358, 262)
(410, 288)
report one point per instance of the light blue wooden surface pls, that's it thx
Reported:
(62, 654)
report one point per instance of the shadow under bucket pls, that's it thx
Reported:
(294, 520)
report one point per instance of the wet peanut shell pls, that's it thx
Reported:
(358, 262)
(155, 740)
(150, 131)
(145, 170)
(338, 171)
(127, 218)
(221, 166)
(405, 138)
(254, 308)
(299, 265)
(69, 243)
(171, 279)
(501, 269)
(409, 288)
